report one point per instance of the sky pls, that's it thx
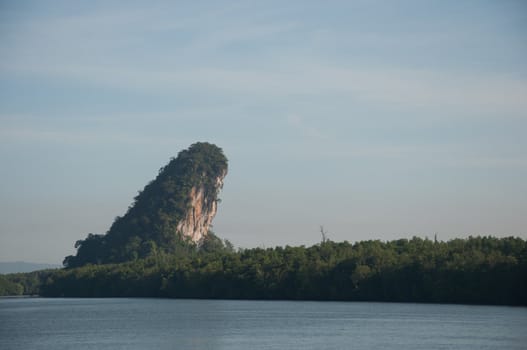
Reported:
(375, 119)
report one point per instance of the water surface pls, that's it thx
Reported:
(39, 323)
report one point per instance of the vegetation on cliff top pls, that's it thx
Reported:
(149, 225)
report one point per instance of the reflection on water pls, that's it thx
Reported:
(37, 323)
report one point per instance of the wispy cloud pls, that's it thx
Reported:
(67, 137)
(412, 88)
(299, 124)
(104, 48)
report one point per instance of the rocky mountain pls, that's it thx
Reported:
(174, 209)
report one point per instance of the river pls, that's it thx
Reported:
(40, 323)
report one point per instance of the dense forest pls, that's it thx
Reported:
(151, 223)
(482, 270)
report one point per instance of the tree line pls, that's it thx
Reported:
(476, 270)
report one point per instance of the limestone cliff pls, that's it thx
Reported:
(178, 206)
(198, 218)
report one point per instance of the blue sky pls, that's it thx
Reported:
(376, 119)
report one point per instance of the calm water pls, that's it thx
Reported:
(37, 323)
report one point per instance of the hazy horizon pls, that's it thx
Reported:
(376, 120)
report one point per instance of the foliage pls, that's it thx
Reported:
(483, 270)
(28, 283)
(9, 287)
(149, 225)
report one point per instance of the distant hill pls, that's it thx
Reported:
(173, 210)
(23, 266)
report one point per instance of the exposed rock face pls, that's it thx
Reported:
(199, 216)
